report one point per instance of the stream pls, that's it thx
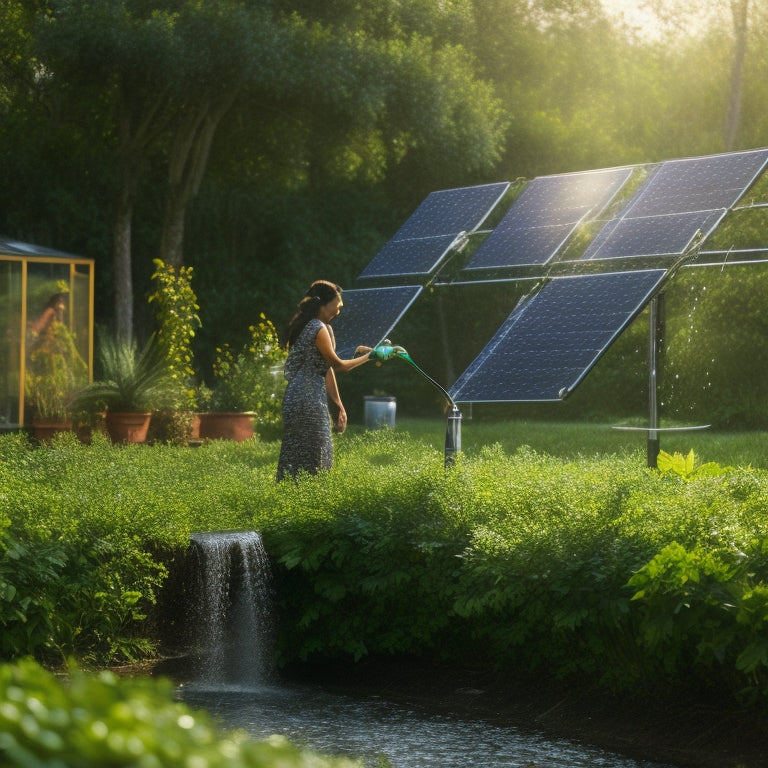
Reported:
(369, 728)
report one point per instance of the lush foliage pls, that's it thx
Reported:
(55, 372)
(251, 379)
(574, 566)
(362, 112)
(99, 721)
(176, 311)
(131, 380)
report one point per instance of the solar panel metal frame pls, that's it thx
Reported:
(426, 224)
(530, 346)
(526, 215)
(359, 322)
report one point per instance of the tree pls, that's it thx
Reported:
(162, 76)
(739, 11)
(682, 16)
(115, 66)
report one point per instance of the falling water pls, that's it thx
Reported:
(231, 596)
(228, 582)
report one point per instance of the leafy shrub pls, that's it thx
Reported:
(55, 371)
(251, 379)
(101, 720)
(580, 567)
(176, 311)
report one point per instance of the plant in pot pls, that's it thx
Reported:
(176, 312)
(55, 371)
(248, 386)
(134, 384)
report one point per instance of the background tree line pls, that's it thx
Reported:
(269, 142)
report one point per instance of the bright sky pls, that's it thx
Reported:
(638, 17)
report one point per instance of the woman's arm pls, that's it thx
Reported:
(332, 388)
(324, 344)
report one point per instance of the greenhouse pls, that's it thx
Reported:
(46, 313)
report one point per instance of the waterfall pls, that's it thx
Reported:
(231, 617)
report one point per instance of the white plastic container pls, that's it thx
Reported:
(380, 412)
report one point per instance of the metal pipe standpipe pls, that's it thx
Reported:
(453, 423)
(452, 436)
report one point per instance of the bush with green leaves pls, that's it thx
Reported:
(251, 379)
(529, 557)
(99, 721)
(580, 567)
(130, 379)
(176, 311)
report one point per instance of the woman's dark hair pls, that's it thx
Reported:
(55, 300)
(319, 294)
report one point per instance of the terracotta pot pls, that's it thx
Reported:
(226, 426)
(127, 427)
(45, 430)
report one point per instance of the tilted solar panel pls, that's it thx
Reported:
(551, 341)
(698, 183)
(421, 242)
(680, 199)
(545, 215)
(417, 256)
(652, 236)
(369, 315)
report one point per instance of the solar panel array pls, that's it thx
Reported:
(418, 247)
(545, 215)
(552, 339)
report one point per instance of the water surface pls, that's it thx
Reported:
(368, 727)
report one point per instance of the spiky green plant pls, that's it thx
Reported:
(132, 380)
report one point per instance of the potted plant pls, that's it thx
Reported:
(54, 372)
(247, 386)
(133, 384)
(176, 312)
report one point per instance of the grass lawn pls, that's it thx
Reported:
(571, 439)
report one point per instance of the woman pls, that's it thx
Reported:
(311, 373)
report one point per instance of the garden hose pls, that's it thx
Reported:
(403, 355)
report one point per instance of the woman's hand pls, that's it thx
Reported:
(341, 421)
(361, 350)
(383, 352)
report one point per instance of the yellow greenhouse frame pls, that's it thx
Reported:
(30, 277)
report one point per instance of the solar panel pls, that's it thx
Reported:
(681, 198)
(421, 242)
(652, 236)
(369, 315)
(549, 343)
(416, 256)
(698, 183)
(545, 215)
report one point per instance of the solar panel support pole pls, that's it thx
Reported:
(452, 436)
(654, 337)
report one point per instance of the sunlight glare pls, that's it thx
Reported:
(642, 20)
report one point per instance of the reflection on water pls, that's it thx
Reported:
(368, 728)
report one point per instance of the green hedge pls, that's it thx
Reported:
(99, 721)
(592, 567)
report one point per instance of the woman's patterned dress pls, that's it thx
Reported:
(307, 443)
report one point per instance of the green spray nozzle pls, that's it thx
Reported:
(383, 352)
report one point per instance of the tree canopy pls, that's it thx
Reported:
(269, 142)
